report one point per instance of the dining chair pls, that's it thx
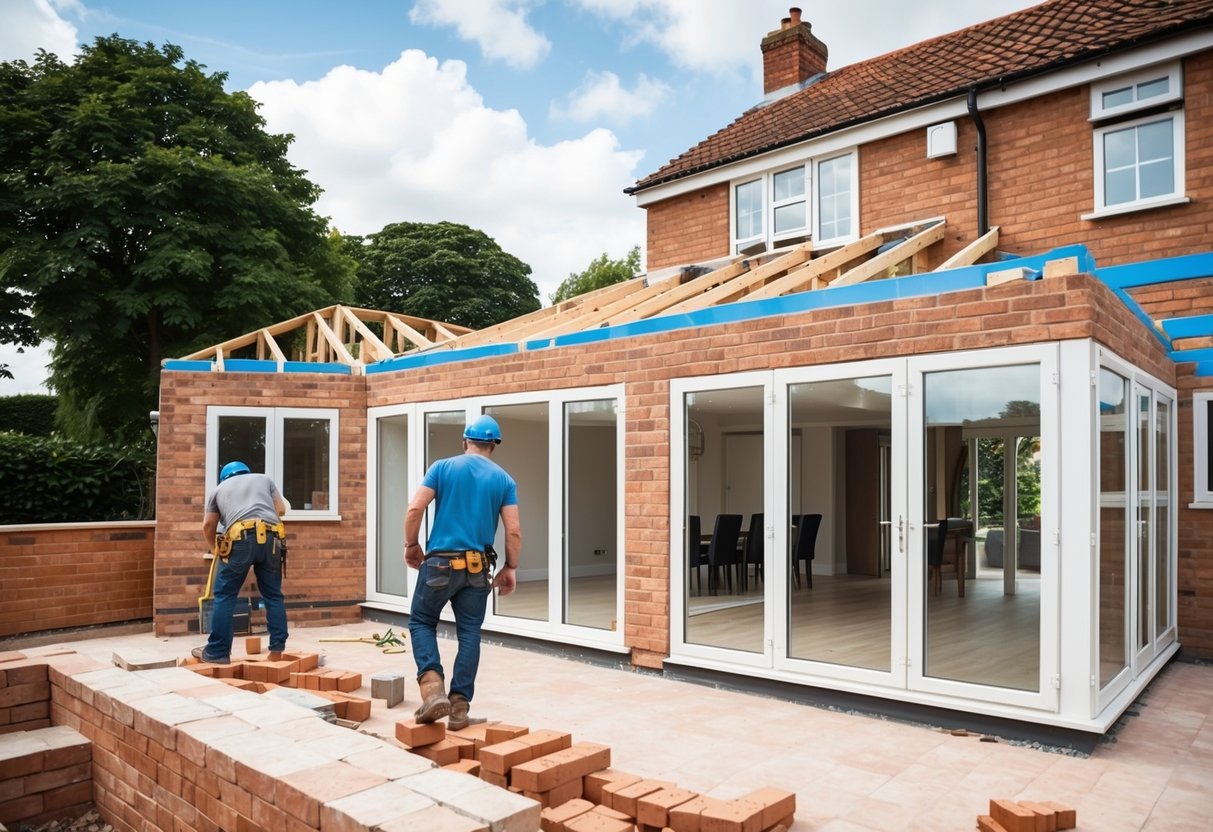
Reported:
(805, 548)
(754, 539)
(723, 551)
(697, 553)
(937, 535)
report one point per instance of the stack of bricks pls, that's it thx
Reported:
(1027, 816)
(45, 774)
(25, 694)
(580, 792)
(294, 670)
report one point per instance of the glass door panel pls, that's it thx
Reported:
(984, 629)
(1145, 523)
(591, 545)
(1162, 517)
(1113, 525)
(725, 494)
(525, 454)
(391, 499)
(839, 598)
(443, 438)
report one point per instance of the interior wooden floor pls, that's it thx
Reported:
(986, 637)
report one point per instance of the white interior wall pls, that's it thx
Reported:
(592, 497)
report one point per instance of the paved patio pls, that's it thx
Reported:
(849, 772)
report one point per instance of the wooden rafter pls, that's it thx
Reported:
(973, 252)
(812, 273)
(742, 285)
(882, 262)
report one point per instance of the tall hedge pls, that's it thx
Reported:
(29, 413)
(53, 480)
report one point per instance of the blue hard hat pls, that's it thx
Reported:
(232, 469)
(484, 429)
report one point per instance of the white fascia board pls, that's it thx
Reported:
(923, 117)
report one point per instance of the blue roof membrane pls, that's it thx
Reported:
(431, 359)
(255, 365)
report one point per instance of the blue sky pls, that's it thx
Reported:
(524, 118)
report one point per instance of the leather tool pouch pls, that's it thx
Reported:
(478, 576)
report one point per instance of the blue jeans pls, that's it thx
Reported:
(468, 602)
(267, 567)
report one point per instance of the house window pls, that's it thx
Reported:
(296, 447)
(748, 213)
(836, 199)
(1202, 447)
(1139, 140)
(788, 210)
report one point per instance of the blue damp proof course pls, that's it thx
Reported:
(431, 359)
(255, 365)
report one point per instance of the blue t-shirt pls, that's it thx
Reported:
(471, 491)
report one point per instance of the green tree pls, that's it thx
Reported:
(443, 271)
(603, 271)
(145, 213)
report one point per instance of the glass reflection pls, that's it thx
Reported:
(839, 610)
(982, 465)
(725, 492)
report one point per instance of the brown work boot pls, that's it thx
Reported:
(434, 704)
(459, 714)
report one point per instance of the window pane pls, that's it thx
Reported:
(305, 463)
(1120, 187)
(1154, 141)
(789, 218)
(242, 438)
(834, 197)
(1162, 520)
(1150, 89)
(391, 498)
(591, 547)
(1116, 98)
(1113, 513)
(749, 210)
(789, 184)
(1157, 179)
(1120, 148)
(959, 406)
(524, 455)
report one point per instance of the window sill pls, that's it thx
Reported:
(310, 517)
(1200, 504)
(1134, 207)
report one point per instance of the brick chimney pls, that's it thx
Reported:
(791, 54)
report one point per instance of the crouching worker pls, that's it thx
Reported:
(250, 508)
(471, 492)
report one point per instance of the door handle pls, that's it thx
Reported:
(901, 531)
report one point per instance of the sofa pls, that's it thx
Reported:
(1029, 548)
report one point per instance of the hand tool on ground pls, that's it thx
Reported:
(389, 641)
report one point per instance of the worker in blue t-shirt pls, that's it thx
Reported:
(472, 492)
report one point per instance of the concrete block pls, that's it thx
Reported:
(389, 687)
(434, 819)
(371, 808)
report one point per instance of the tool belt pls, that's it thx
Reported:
(237, 531)
(471, 560)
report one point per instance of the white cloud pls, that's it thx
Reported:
(498, 27)
(416, 143)
(29, 25)
(602, 98)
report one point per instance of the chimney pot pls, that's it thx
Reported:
(795, 16)
(786, 23)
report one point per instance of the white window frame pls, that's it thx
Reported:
(273, 463)
(1202, 492)
(819, 240)
(1173, 72)
(776, 204)
(1120, 117)
(743, 242)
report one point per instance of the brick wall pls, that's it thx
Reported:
(688, 229)
(326, 571)
(58, 576)
(1040, 182)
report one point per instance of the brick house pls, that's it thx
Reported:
(911, 408)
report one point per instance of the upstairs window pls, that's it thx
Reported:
(773, 210)
(1138, 140)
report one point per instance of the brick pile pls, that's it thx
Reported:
(1027, 816)
(293, 670)
(578, 789)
